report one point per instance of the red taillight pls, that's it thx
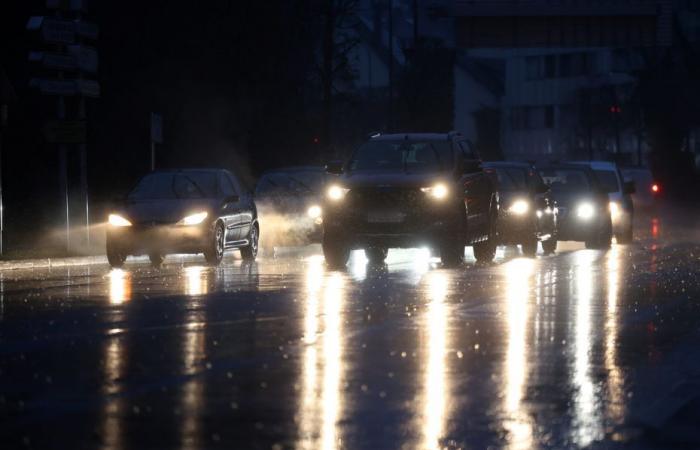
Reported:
(655, 188)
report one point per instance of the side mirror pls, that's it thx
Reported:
(334, 167)
(471, 166)
(629, 187)
(231, 199)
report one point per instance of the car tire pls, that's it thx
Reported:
(335, 250)
(250, 251)
(115, 256)
(156, 259)
(603, 240)
(376, 255)
(529, 247)
(215, 253)
(452, 253)
(626, 237)
(485, 251)
(549, 246)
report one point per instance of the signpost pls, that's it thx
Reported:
(73, 63)
(156, 136)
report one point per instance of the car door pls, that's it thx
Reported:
(478, 191)
(231, 213)
(245, 214)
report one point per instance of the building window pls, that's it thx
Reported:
(549, 116)
(533, 67)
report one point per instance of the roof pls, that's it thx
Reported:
(295, 169)
(518, 164)
(413, 136)
(596, 165)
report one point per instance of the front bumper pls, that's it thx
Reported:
(141, 239)
(514, 229)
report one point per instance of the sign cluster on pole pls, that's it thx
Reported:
(66, 65)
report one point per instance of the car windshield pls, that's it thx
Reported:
(403, 155)
(173, 185)
(608, 180)
(296, 182)
(566, 180)
(511, 179)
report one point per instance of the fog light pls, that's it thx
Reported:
(337, 193)
(438, 191)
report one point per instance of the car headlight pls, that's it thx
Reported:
(438, 191)
(614, 209)
(585, 211)
(336, 193)
(314, 211)
(116, 220)
(519, 207)
(194, 219)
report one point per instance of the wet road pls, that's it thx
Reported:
(584, 349)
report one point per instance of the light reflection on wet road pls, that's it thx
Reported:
(550, 352)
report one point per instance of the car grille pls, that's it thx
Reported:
(389, 198)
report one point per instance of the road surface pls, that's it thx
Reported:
(583, 349)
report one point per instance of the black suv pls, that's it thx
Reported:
(410, 190)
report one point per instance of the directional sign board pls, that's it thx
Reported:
(61, 31)
(65, 132)
(87, 88)
(85, 57)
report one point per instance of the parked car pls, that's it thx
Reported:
(620, 193)
(583, 206)
(289, 201)
(410, 190)
(184, 211)
(527, 213)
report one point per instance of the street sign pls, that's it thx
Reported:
(51, 60)
(61, 31)
(85, 57)
(87, 88)
(65, 132)
(156, 128)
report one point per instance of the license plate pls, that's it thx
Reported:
(385, 217)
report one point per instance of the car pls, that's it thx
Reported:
(620, 193)
(582, 203)
(289, 201)
(184, 211)
(527, 213)
(410, 190)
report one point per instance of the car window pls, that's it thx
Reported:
(292, 182)
(153, 186)
(227, 185)
(404, 155)
(166, 185)
(566, 180)
(608, 180)
(511, 179)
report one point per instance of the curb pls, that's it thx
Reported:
(42, 263)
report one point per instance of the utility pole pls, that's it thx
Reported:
(391, 65)
(3, 124)
(415, 24)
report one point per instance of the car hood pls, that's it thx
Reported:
(165, 210)
(287, 203)
(569, 199)
(507, 197)
(359, 180)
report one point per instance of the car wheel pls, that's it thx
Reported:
(452, 253)
(250, 251)
(529, 247)
(485, 251)
(626, 237)
(156, 259)
(549, 246)
(215, 253)
(335, 250)
(603, 240)
(376, 255)
(115, 256)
